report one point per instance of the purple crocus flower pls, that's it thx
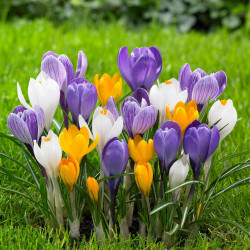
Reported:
(201, 86)
(26, 125)
(81, 98)
(138, 115)
(111, 106)
(167, 140)
(142, 68)
(60, 69)
(200, 142)
(115, 157)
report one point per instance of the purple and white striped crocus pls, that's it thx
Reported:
(142, 68)
(114, 158)
(200, 142)
(81, 98)
(201, 86)
(138, 115)
(26, 124)
(167, 140)
(60, 69)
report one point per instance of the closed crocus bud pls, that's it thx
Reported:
(167, 94)
(183, 115)
(93, 189)
(38, 90)
(224, 116)
(140, 150)
(142, 68)
(69, 172)
(179, 171)
(81, 98)
(167, 140)
(107, 86)
(202, 87)
(26, 124)
(104, 125)
(144, 177)
(200, 142)
(75, 142)
(138, 115)
(49, 154)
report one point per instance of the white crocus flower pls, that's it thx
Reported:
(167, 93)
(104, 125)
(49, 154)
(178, 174)
(223, 115)
(43, 92)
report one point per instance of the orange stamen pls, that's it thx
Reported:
(223, 102)
(47, 139)
(168, 82)
(104, 112)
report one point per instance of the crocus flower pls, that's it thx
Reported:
(26, 124)
(111, 106)
(38, 90)
(138, 114)
(81, 98)
(49, 154)
(224, 116)
(201, 86)
(69, 172)
(93, 189)
(140, 150)
(144, 177)
(60, 69)
(142, 68)
(75, 142)
(104, 125)
(183, 115)
(167, 94)
(200, 142)
(166, 143)
(179, 171)
(114, 161)
(107, 86)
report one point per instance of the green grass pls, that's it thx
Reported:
(22, 46)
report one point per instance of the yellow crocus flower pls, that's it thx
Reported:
(144, 177)
(69, 172)
(75, 142)
(93, 189)
(140, 150)
(183, 115)
(107, 86)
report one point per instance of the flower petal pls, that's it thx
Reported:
(82, 64)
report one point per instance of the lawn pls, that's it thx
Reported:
(22, 45)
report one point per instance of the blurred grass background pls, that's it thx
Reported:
(24, 38)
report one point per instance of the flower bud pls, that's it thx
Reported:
(93, 189)
(144, 177)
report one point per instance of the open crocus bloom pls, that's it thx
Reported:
(137, 113)
(104, 125)
(75, 142)
(202, 87)
(144, 177)
(200, 142)
(224, 116)
(167, 94)
(26, 125)
(142, 68)
(69, 171)
(107, 86)
(140, 150)
(38, 90)
(93, 189)
(183, 115)
(49, 154)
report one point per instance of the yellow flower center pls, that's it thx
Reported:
(223, 102)
(168, 82)
(40, 82)
(47, 139)
(104, 112)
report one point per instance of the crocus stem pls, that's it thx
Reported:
(161, 186)
(72, 200)
(149, 209)
(112, 208)
(75, 224)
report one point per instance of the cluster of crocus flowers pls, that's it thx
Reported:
(157, 124)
